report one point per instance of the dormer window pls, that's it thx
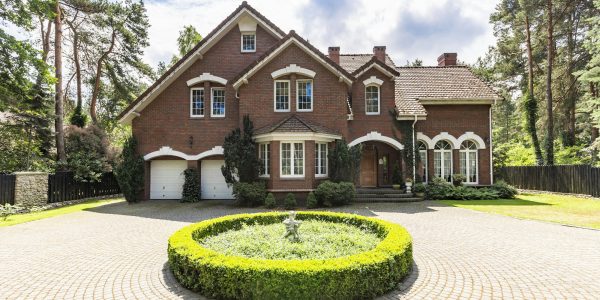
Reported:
(249, 42)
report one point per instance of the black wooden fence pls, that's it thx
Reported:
(7, 188)
(574, 179)
(62, 186)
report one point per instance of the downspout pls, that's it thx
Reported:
(413, 150)
(491, 146)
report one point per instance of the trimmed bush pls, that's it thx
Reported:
(311, 200)
(290, 201)
(438, 189)
(129, 171)
(504, 190)
(419, 187)
(335, 194)
(249, 194)
(270, 201)
(359, 276)
(191, 186)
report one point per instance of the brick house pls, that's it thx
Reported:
(301, 101)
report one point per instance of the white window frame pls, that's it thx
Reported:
(267, 158)
(242, 41)
(275, 96)
(312, 91)
(468, 157)
(318, 159)
(424, 160)
(212, 98)
(292, 150)
(192, 115)
(442, 161)
(378, 99)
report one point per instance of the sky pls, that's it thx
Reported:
(410, 29)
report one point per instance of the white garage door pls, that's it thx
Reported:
(166, 179)
(212, 182)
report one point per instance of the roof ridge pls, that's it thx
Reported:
(432, 67)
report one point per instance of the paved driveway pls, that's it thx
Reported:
(119, 251)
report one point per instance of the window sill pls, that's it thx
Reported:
(248, 51)
(282, 111)
(373, 114)
(304, 110)
(292, 178)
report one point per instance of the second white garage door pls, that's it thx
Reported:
(212, 182)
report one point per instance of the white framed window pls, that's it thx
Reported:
(197, 102)
(442, 160)
(248, 42)
(304, 95)
(292, 159)
(321, 159)
(264, 153)
(217, 102)
(469, 161)
(424, 163)
(281, 92)
(372, 100)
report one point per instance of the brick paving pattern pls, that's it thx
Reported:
(118, 251)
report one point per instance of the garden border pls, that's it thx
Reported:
(363, 275)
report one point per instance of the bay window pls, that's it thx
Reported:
(264, 151)
(292, 159)
(321, 159)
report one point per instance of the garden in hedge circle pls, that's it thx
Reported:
(279, 255)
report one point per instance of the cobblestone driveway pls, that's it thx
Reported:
(119, 251)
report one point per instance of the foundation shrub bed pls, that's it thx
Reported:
(335, 193)
(363, 275)
(438, 189)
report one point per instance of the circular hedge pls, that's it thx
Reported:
(363, 275)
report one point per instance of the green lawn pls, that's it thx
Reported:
(569, 210)
(22, 218)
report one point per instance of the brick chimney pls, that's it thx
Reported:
(447, 59)
(334, 54)
(379, 53)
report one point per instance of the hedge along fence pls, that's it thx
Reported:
(573, 179)
(62, 186)
(364, 275)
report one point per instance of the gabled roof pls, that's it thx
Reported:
(374, 62)
(351, 62)
(189, 58)
(294, 123)
(291, 38)
(416, 86)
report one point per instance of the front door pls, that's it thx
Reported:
(368, 168)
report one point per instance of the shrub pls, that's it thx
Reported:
(270, 201)
(8, 210)
(311, 200)
(191, 186)
(239, 151)
(335, 194)
(290, 201)
(360, 276)
(344, 161)
(458, 179)
(419, 187)
(129, 171)
(88, 152)
(504, 190)
(78, 117)
(438, 189)
(249, 194)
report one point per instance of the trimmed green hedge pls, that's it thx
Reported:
(363, 275)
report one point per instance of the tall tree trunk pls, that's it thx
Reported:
(77, 66)
(549, 102)
(531, 104)
(595, 131)
(96, 90)
(571, 83)
(58, 99)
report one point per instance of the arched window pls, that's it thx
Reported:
(442, 160)
(424, 163)
(372, 100)
(469, 161)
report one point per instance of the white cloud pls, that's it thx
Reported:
(410, 29)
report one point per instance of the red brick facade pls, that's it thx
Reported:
(166, 121)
